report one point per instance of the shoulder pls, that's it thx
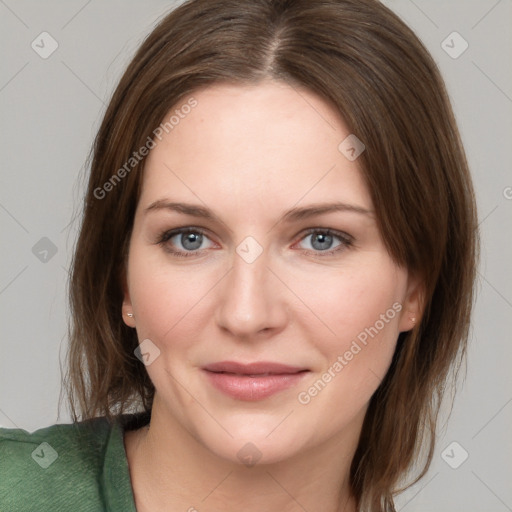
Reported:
(55, 466)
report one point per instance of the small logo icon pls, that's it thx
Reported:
(249, 455)
(249, 249)
(351, 147)
(454, 455)
(44, 455)
(44, 45)
(147, 352)
(44, 250)
(454, 45)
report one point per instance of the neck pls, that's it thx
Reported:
(171, 470)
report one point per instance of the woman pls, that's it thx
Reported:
(274, 272)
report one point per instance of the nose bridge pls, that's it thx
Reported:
(249, 302)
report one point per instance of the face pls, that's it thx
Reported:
(258, 274)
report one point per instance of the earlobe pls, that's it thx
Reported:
(413, 305)
(127, 312)
(127, 309)
(408, 321)
(128, 318)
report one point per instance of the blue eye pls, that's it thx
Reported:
(324, 241)
(187, 240)
(190, 241)
(184, 242)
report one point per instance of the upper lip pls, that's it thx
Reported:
(258, 368)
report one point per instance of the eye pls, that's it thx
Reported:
(187, 241)
(190, 241)
(326, 241)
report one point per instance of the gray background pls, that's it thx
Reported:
(50, 111)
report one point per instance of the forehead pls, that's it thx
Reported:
(268, 141)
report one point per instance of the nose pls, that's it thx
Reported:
(252, 300)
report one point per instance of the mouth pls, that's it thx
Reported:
(253, 381)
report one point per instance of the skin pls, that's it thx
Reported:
(249, 154)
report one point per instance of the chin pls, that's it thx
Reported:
(255, 452)
(254, 442)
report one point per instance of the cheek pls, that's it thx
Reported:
(349, 300)
(361, 306)
(165, 299)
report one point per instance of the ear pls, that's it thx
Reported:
(413, 304)
(127, 308)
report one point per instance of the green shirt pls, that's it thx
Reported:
(78, 467)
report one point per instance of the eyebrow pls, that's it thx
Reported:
(293, 215)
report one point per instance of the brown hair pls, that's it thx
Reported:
(363, 60)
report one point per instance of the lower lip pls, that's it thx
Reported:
(248, 388)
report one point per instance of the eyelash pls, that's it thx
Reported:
(346, 240)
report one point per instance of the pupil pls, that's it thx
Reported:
(191, 241)
(322, 242)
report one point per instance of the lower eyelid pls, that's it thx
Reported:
(344, 239)
(196, 231)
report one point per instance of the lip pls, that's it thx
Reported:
(253, 381)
